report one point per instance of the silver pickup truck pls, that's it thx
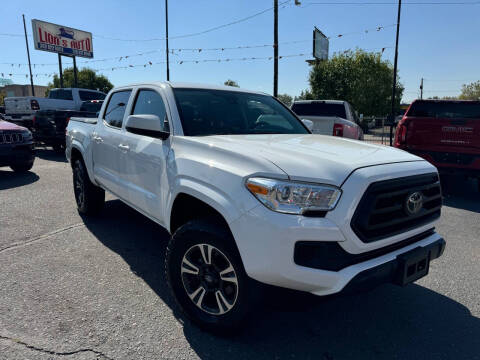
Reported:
(22, 109)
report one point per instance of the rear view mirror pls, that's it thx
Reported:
(147, 125)
(308, 124)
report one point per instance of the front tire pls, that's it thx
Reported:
(22, 168)
(207, 278)
(89, 197)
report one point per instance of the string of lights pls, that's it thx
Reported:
(199, 50)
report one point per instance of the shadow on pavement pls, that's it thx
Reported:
(49, 154)
(11, 179)
(388, 322)
(461, 193)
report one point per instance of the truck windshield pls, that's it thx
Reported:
(220, 112)
(320, 108)
(445, 109)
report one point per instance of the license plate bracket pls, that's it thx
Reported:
(412, 265)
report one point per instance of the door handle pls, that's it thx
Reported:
(124, 148)
(97, 139)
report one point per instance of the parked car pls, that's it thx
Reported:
(49, 125)
(21, 110)
(444, 132)
(330, 117)
(16, 147)
(2, 112)
(250, 196)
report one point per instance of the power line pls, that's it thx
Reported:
(393, 3)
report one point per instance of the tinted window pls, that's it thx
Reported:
(91, 106)
(215, 112)
(452, 109)
(61, 94)
(91, 95)
(149, 102)
(319, 109)
(116, 108)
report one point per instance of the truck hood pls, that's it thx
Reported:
(5, 125)
(313, 158)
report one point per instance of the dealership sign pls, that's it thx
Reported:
(62, 39)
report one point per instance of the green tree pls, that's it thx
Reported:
(2, 97)
(231, 83)
(285, 98)
(87, 79)
(471, 91)
(359, 77)
(305, 95)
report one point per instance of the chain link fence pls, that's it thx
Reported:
(377, 130)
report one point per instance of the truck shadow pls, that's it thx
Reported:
(461, 193)
(50, 155)
(11, 179)
(388, 322)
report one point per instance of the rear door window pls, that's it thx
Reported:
(115, 110)
(90, 95)
(61, 94)
(319, 109)
(431, 109)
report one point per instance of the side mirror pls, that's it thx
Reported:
(308, 124)
(147, 125)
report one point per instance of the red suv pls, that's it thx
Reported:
(444, 132)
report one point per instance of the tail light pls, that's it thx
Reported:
(34, 119)
(401, 133)
(66, 125)
(338, 130)
(34, 105)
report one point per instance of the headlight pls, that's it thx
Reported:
(293, 197)
(27, 135)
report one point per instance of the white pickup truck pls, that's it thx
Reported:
(22, 109)
(250, 196)
(330, 117)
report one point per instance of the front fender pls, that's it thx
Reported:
(211, 195)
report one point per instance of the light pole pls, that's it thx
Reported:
(394, 87)
(275, 48)
(166, 38)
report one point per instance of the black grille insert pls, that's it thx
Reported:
(382, 211)
(10, 137)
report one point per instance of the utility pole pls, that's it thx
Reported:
(166, 38)
(275, 48)
(421, 89)
(392, 113)
(28, 55)
(75, 77)
(60, 71)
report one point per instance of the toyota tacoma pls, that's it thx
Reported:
(251, 196)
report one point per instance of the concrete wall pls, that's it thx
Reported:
(23, 90)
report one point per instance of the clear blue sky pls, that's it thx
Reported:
(437, 42)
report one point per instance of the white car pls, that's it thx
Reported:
(248, 193)
(21, 109)
(330, 117)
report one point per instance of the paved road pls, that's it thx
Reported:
(75, 289)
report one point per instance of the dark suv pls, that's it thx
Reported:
(16, 147)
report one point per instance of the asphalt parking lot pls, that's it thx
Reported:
(85, 289)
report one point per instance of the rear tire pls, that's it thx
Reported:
(206, 276)
(89, 197)
(22, 168)
(58, 148)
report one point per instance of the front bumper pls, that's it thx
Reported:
(268, 252)
(16, 154)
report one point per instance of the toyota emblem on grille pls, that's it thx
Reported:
(414, 203)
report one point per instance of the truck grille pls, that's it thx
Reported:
(10, 138)
(394, 206)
